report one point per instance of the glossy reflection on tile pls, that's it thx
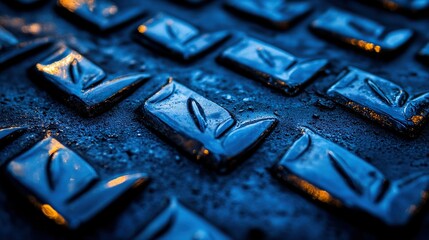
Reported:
(280, 14)
(12, 49)
(381, 101)
(82, 84)
(271, 65)
(360, 33)
(64, 186)
(200, 127)
(178, 222)
(102, 15)
(176, 37)
(332, 175)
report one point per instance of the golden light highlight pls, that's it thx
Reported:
(142, 29)
(71, 5)
(60, 68)
(313, 191)
(367, 46)
(33, 28)
(416, 119)
(368, 113)
(55, 146)
(51, 213)
(117, 181)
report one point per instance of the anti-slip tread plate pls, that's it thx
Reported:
(247, 202)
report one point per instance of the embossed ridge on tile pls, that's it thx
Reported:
(102, 15)
(381, 101)
(271, 65)
(360, 33)
(201, 128)
(177, 38)
(8, 133)
(13, 49)
(280, 14)
(64, 186)
(334, 176)
(177, 220)
(82, 84)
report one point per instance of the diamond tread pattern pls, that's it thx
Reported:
(120, 54)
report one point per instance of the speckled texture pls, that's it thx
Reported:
(249, 201)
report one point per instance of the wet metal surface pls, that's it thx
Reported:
(332, 175)
(66, 188)
(249, 201)
(381, 101)
(271, 65)
(203, 129)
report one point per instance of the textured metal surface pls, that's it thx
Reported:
(246, 203)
